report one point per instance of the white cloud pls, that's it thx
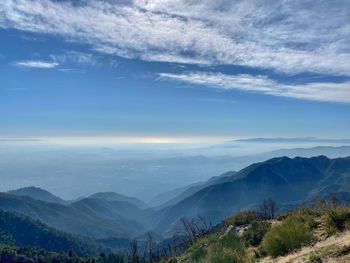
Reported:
(36, 64)
(76, 57)
(69, 57)
(330, 92)
(288, 36)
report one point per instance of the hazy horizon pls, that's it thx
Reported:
(77, 168)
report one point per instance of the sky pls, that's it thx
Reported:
(174, 70)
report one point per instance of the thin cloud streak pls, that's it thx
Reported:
(36, 64)
(286, 36)
(75, 57)
(317, 91)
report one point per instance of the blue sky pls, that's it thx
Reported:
(220, 69)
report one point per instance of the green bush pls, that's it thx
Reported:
(241, 218)
(337, 219)
(231, 241)
(218, 249)
(198, 251)
(227, 249)
(294, 232)
(256, 232)
(225, 256)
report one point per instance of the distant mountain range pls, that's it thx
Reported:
(239, 162)
(329, 151)
(293, 140)
(286, 180)
(171, 197)
(112, 218)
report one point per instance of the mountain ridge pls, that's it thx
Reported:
(284, 179)
(112, 196)
(19, 230)
(93, 220)
(37, 193)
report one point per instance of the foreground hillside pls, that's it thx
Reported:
(314, 234)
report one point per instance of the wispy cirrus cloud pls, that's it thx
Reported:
(317, 91)
(61, 61)
(287, 36)
(75, 57)
(36, 64)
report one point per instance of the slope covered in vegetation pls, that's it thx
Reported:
(22, 231)
(315, 233)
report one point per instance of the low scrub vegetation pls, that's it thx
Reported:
(294, 232)
(227, 248)
(241, 218)
(256, 232)
(249, 236)
(336, 219)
